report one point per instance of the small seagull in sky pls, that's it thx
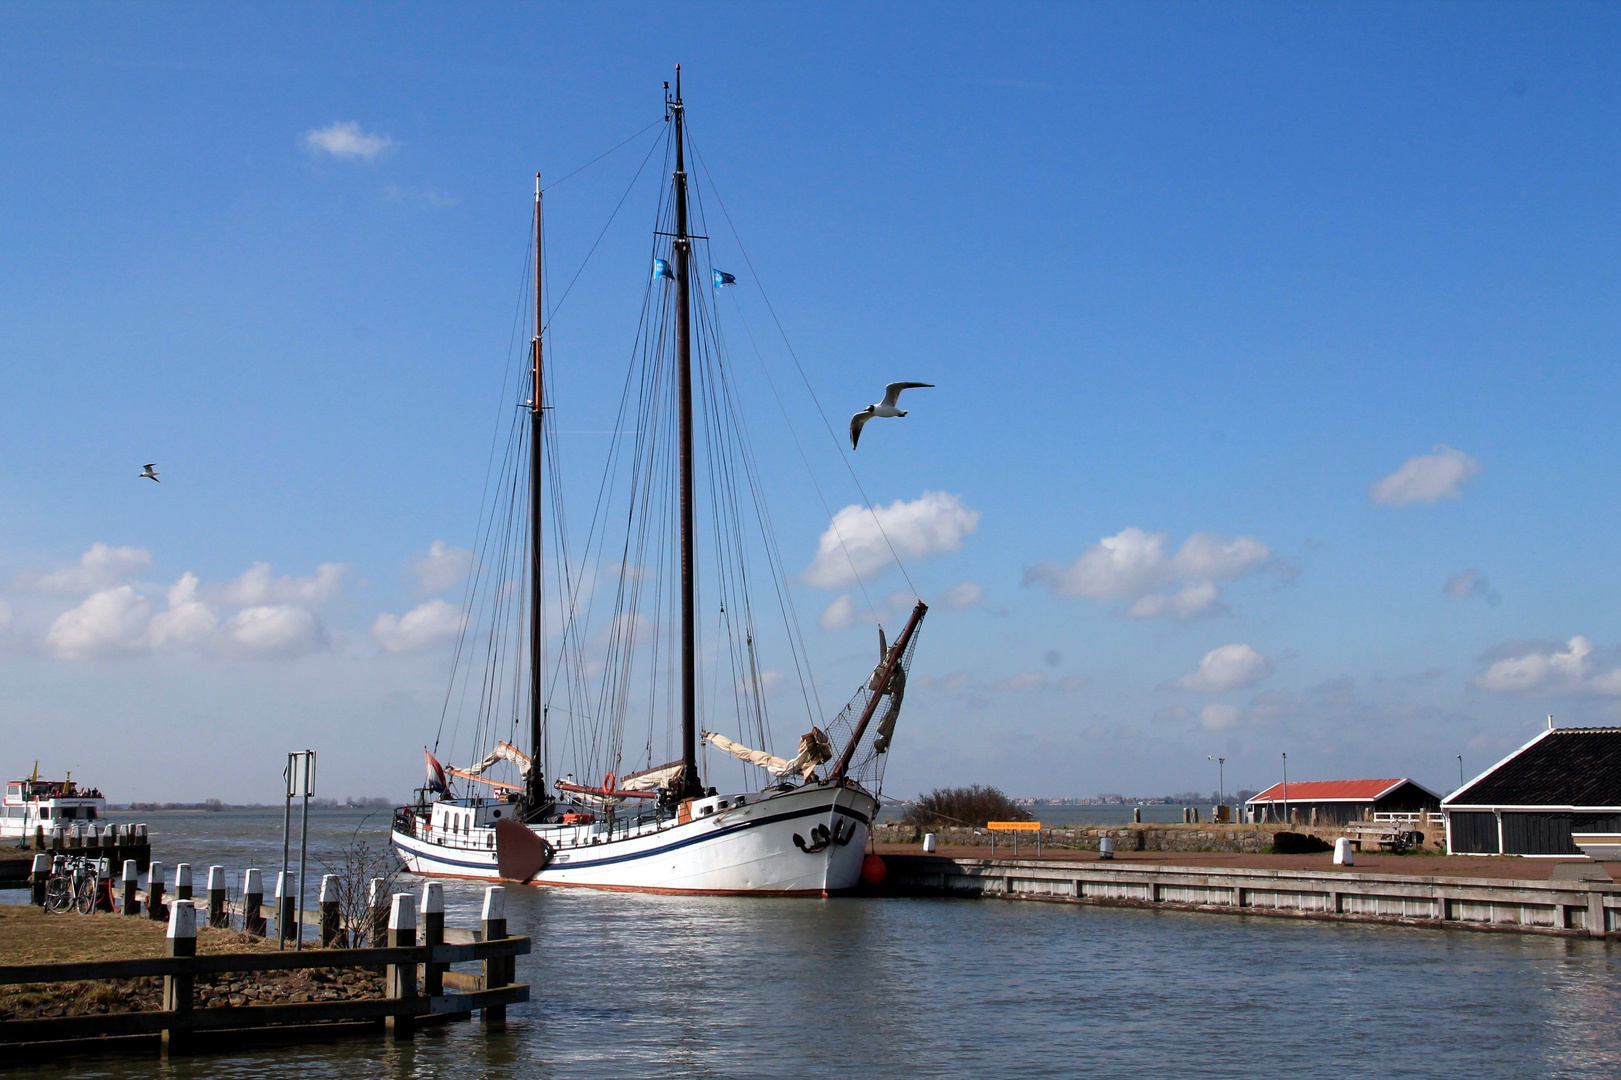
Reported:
(892, 395)
(151, 473)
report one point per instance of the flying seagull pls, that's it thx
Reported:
(151, 473)
(892, 395)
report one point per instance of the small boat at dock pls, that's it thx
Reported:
(32, 804)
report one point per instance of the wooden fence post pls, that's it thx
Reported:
(178, 989)
(132, 888)
(182, 881)
(253, 902)
(218, 916)
(155, 908)
(329, 911)
(433, 933)
(402, 978)
(496, 971)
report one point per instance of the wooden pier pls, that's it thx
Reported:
(1586, 902)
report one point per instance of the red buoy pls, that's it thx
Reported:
(873, 870)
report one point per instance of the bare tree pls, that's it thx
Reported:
(356, 865)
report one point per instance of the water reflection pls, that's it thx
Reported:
(628, 985)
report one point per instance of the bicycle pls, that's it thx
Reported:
(73, 885)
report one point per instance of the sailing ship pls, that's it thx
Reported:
(794, 826)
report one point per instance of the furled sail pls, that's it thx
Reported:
(814, 748)
(660, 776)
(895, 688)
(504, 751)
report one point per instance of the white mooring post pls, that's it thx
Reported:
(1106, 848)
(132, 887)
(929, 843)
(377, 908)
(37, 877)
(402, 978)
(155, 908)
(286, 907)
(253, 902)
(217, 915)
(329, 911)
(182, 881)
(433, 933)
(1343, 855)
(178, 989)
(498, 970)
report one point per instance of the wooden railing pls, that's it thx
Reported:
(406, 1002)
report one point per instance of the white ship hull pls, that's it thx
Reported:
(733, 844)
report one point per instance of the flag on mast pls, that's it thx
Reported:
(436, 774)
(722, 278)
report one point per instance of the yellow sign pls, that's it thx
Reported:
(1013, 826)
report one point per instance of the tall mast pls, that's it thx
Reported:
(536, 792)
(691, 784)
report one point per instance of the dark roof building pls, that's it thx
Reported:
(1335, 802)
(1559, 794)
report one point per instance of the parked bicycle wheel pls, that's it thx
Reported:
(85, 893)
(58, 894)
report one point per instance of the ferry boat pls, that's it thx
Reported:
(630, 684)
(34, 803)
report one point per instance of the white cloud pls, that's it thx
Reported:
(855, 546)
(964, 595)
(344, 139)
(1218, 717)
(1071, 683)
(843, 613)
(771, 683)
(101, 567)
(1136, 565)
(1228, 667)
(107, 622)
(422, 627)
(442, 567)
(188, 621)
(1190, 601)
(256, 588)
(1570, 669)
(1024, 680)
(273, 631)
(1439, 474)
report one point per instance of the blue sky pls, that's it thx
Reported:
(1179, 271)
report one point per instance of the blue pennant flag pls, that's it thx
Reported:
(662, 269)
(722, 278)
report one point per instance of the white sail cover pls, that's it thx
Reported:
(814, 748)
(504, 751)
(649, 779)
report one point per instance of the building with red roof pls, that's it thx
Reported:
(1335, 802)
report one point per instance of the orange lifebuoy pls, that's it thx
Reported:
(608, 783)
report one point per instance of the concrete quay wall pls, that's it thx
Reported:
(1172, 837)
(1575, 908)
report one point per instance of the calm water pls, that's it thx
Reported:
(634, 986)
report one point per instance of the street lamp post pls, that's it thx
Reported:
(1286, 789)
(1221, 785)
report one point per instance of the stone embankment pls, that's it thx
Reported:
(1172, 837)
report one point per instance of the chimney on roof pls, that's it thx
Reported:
(1550, 721)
